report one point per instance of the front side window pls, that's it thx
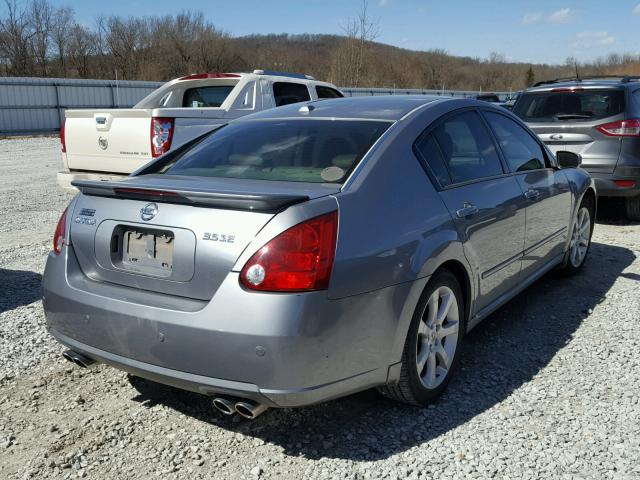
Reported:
(286, 93)
(467, 148)
(321, 151)
(200, 97)
(520, 149)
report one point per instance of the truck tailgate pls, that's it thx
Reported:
(113, 140)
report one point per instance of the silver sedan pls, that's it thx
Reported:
(315, 250)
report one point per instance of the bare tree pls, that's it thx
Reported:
(41, 22)
(15, 38)
(60, 32)
(126, 42)
(81, 50)
(350, 57)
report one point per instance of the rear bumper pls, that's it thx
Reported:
(217, 386)
(606, 186)
(280, 350)
(65, 177)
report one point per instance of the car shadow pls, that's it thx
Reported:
(503, 353)
(18, 288)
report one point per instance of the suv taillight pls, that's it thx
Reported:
(58, 235)
(624, 128)
(62, 136)
(161, 135)
(298, 260)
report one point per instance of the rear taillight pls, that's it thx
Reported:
(625, 128)
(625, 183)
(62, 136)
(298, 260)
(58, 236)
(161, 135)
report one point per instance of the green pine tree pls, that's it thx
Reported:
(530, 77)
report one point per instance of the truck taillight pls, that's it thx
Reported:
(62, 137)
(161, 135)
(58, 235)
(624, 128)
(299, 259)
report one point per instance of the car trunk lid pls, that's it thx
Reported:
(175, 235)
(599, 152)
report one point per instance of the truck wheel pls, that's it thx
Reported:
(632, 206)
(432, 348)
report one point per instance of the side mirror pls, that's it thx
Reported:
(568, 159)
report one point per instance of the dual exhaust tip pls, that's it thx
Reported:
(245, 408)
(78, 359)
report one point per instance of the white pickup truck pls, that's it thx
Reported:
(106, 144)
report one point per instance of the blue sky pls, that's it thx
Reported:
(523, 30)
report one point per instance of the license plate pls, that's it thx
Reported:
(148, 250)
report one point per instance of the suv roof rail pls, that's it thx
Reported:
(284, 74)
(622, 78)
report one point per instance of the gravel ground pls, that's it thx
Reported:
(549, 385)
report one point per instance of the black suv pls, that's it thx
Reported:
(597, 117)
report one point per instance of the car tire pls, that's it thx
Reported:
(433, 344)
(580, 241)
(632, 208)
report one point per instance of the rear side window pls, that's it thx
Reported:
(327, 92)
(321, 151)
(428, 149)
(200, 97)
(519, 148)
(581, 105)
(467, 148)
(287, 93)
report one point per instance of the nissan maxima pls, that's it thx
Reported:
(315, 250)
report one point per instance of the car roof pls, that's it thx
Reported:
(594, 83)
(382, 107)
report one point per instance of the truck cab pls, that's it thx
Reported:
(110, 143)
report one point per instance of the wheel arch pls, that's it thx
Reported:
(459, 271)
(590, 194)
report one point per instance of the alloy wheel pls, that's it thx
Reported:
(437, 337)
(580, 237)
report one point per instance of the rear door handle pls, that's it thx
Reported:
(468, 210)
(531, 194)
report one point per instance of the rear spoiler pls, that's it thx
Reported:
(261, 202)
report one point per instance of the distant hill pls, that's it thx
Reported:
(40, 39)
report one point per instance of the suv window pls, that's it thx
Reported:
(519, 148)
(286, 93)
(205, 96)
(467, 149)
(562, 106)
(327, 92)
(322, 151)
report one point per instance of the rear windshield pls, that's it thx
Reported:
(200, 97)
(321, 151)
(583, 105)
